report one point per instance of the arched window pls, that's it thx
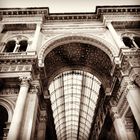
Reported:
(23, 45)
(10, 46)
(128, 42)
(3, 120)
(137, 41)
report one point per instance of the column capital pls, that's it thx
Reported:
(114, 113)
(35, 87)
(107, 23)
(24, 81)
(131, 85)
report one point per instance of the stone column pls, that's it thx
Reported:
(16, 123)
(133, 98)
(118, 125)
(36, 38)
(28, 127)
(114, 34)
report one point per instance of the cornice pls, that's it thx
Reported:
(44, 11)
(118, 9)
(23, 11)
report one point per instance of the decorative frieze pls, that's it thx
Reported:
(18, 55)
(8, 91)
(15, 68)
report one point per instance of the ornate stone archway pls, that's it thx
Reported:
(105, 46)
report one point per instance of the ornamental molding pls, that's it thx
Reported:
(68, 38)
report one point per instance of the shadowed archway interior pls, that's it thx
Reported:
(77, 55)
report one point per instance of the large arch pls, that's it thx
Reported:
(102, 44)
(94, 41)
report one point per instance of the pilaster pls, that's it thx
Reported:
(36, 38)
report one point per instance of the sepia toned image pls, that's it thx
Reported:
(69, 70)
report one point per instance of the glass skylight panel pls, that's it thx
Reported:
(73, 96)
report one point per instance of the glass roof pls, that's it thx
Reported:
(73, 96)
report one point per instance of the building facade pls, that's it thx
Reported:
(70, 76)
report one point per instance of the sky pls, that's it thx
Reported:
(65, 6)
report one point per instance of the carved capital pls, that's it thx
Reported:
(35, 87)
(24, 81)
(131, 85)
(114, 113)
